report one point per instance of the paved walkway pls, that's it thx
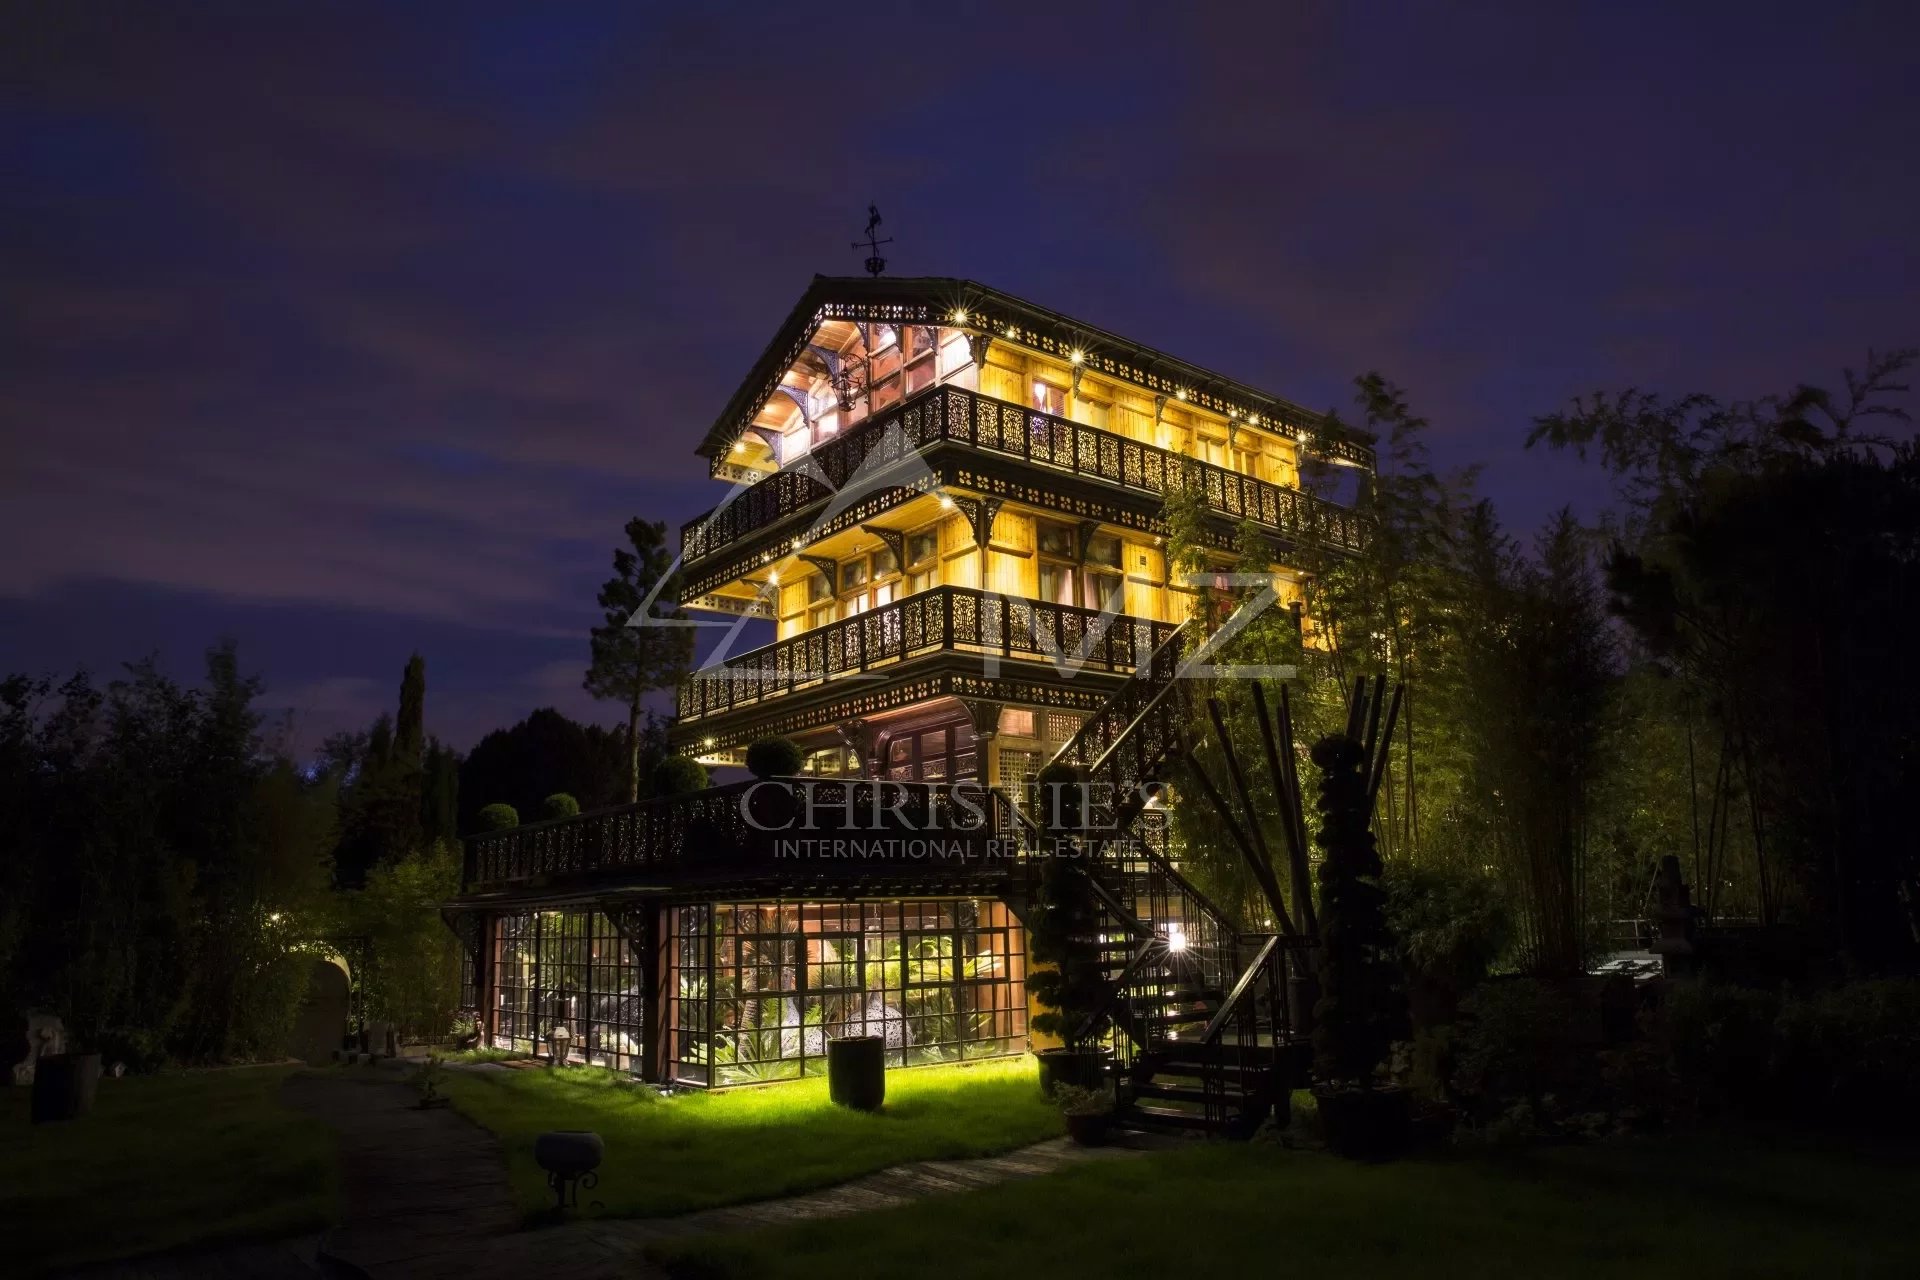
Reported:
(426, 1195)
(598, 1248)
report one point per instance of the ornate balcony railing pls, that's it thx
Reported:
(943, 619)
(955, 415)
(772, 827)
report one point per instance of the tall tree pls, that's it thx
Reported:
(632, 655)
(383, 810)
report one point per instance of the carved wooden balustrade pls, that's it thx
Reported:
(800, 828)
(954, 415)
(938, 620)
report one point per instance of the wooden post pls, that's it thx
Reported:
(657, 979)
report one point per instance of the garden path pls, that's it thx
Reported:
(426, 1196)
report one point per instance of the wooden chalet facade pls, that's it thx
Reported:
(945, 503)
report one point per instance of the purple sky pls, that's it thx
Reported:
(345, 334)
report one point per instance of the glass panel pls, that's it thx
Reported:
(921, 546)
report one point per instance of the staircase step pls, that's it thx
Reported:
(1186, 995)
(1187, 1093)
(1169, 1118)
(1184, 1015)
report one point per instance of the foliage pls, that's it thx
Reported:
(162, 1162)
(632, 659)
(559, 805)
(547, 752)
(738, 1145)
(499, 817)
(1067, 983)
(383, 805)
(678, 775)
(1074, 1100)
(1447, 920)
(1732, 515)
(411, 974)
(163, 864)
(1853, 1053)
(1362, 1007)
(1518, 1044)
(774, 758)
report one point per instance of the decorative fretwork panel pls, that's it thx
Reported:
(944, 620)
(744, 529)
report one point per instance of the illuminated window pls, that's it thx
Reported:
(1049, 398)
(1017, 721)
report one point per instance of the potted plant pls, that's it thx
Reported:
(1066, 981)
(1088, 1112)
(429, 1079)
(1362, 1008)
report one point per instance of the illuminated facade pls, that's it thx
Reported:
(942, 556)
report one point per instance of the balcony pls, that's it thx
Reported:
(751, 524)
(771, 835)
(940, 621)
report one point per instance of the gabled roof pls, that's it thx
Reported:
(942, 300)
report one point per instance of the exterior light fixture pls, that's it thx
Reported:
(707, 743)
(1181, 394)
(773, 575)
(739, 446)
(1077, 356)
(959, 315)
(1176, 938)
(946, 503)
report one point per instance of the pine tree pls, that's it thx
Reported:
(632, 657)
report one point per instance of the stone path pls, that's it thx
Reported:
(602, 1248)
(426, 1195)
(424, 1190)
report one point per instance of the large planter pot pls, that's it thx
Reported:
(1081, 1068)
(1091, 1130)
(569, 1152)
(1364, 1124)
(857, 1071)
(64, 1085)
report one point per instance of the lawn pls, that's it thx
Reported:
(695, 1150)
(162, 1161)
(1692, 1208)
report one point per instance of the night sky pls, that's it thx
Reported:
(347, 335)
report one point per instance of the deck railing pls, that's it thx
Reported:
(763, 827)
(950, 414)
(941, 619)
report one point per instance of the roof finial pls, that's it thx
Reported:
(875, 263)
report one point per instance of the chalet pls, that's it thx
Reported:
(946, 505)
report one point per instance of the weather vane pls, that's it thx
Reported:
(875, 263)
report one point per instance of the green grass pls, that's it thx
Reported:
(1684, 1208)
(696, 1150)
(162, 1161)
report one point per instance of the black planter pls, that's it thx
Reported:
(64, 1085)
(1081, 1068)
(1092, 1130)
(857, 1072)
(1365, 1124)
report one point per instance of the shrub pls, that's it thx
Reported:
(1060, 798)
(498, 817)
(1719, 1041)
(560, 805)
(1855, 1051)
(1362, 1008)
(774, 758)
(678, 776)
(1451, 924)
(1517, 1042)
